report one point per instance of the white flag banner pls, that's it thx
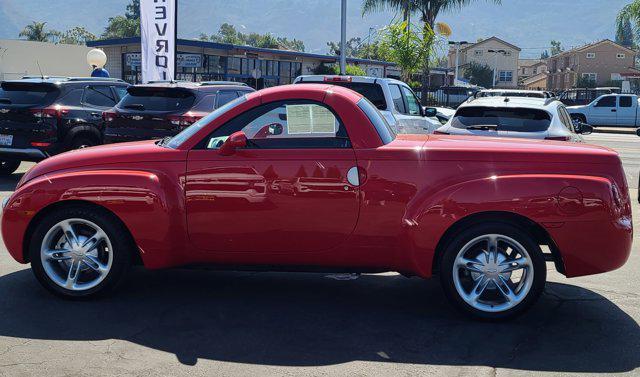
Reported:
(158, 37)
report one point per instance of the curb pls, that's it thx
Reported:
(619, 131)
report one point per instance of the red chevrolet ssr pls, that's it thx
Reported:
(312, 178)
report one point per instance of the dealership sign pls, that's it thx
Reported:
(158, 37)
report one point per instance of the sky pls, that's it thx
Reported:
(529, 24)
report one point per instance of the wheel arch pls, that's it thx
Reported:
(37, 218)
(539, 234)
(83, 129)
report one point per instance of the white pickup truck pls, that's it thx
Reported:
(395, 100)
(609, 110)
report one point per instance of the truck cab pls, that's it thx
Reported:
(619, 110)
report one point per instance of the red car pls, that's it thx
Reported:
(312, 178)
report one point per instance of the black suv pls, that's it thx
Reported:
(161, 109)
(44, 116)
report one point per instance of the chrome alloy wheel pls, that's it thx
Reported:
(493, 273)
(76, 254)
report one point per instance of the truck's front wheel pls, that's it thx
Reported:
(493, 271)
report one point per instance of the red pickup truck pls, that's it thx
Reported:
(311, 178)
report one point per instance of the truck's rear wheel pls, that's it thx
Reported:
(493, 271)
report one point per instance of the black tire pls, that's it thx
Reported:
(579, 117)
(82, 141)
(121, 242)
(8, 167)
(463, 238)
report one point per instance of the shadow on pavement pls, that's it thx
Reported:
(9, 183)
(308, 320)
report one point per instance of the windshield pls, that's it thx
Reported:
(186, 134)
(27, 94)
(502, 119)
(157, 99)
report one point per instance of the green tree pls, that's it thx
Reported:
(556, 47)
(334, 69)
(479, 74)
(585, 82)
(405, 47)
(77, 36)
(227, 33)
(624, 32)
(124, 26)
(36, 31)
(429, 10)
(544, 54)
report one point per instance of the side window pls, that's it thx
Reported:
(285, 125)
(72, 98)
(226, 97)
(412, 102)
(99, 96)
(206, 104)
(625, 101)
(606, 101)
(396, 96)
(121, 91)
(565, 118)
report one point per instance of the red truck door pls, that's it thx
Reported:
(287, 190)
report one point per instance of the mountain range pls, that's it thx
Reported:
(529, 24)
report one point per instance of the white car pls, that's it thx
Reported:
(395, 100)
(520, 117)
(513, 93)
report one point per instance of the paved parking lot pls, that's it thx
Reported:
(206, 323)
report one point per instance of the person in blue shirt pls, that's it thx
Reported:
(99, 72)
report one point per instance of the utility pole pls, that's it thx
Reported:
(343, 39)
(495, 67)
(457, 44)
(369, 43)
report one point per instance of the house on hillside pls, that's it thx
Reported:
(605, 62)
(501, 56)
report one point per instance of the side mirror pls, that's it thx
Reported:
(430, 112)
(583, 128)
(234, 141)
(275, 129)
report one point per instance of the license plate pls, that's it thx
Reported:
(6, 139)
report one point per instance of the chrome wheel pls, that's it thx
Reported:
(493, 273)
(76, 254)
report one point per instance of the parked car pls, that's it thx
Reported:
(609, 110)
(453, 96)
(521, 117)
(395, 100)
(327, 186)
(583, 96)
(157, 110)
(40, 117)
(513, 93)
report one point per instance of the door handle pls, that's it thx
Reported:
(613, 110)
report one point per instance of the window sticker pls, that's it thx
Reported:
(306, 119)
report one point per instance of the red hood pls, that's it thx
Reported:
(139, 151)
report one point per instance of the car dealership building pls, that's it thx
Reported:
(203, 61)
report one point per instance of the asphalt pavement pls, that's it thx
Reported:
(207, 323)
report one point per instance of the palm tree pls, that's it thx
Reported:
(36, 32)
(629, 14)
(428, 11)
